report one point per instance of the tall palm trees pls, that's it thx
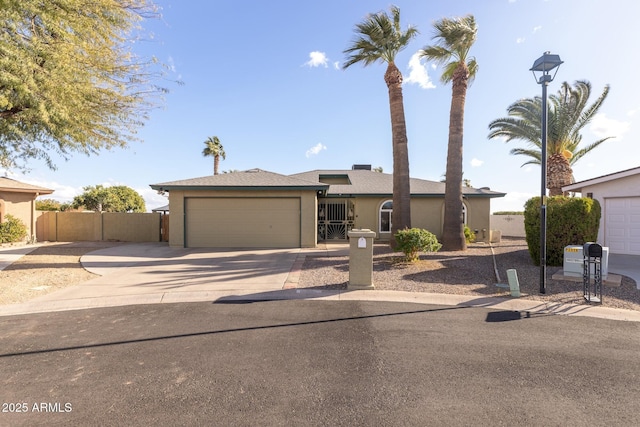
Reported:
(568, 115)
(216, 150)
(453, 41)
(379, 38)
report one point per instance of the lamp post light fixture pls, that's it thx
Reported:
(544, 65)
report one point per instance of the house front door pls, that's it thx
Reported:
(336, 218)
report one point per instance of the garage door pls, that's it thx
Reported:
(622, 225)
(242, 222)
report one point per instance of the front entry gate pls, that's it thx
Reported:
(336, 218)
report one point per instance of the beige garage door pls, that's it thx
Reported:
(622, 225)
(242, 222)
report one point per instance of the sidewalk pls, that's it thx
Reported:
(152, 273)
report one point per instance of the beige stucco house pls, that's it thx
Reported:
(256, 208)
(619, 197)
(19, 199)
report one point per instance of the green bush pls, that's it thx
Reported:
(411, 241)
(508, 213)
(469, 235)
(570, 221)
(12, 230)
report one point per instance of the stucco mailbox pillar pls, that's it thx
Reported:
(361, 259)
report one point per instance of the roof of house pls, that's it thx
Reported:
(164, 208)
(601, 179)
(372, 183)
(252, 179)
(13, 186)
(335, 182)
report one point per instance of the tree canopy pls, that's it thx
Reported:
(118, 198)
(569, 113)
(69, 81)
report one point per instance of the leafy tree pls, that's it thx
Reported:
(51, 205)
(379, 38)
(68, 80)
(568, 115)
(215, 149)
(453, 41)
(118, 198)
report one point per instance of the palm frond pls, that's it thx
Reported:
(454, 38)
(379, 38)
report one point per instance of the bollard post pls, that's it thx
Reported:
(361, 259)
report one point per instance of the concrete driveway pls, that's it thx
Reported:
(154, 273)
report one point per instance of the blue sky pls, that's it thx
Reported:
(266, 78)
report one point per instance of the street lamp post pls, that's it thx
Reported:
(544, 65)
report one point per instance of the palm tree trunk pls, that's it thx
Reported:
(401, 184)
(453, 229)
(216, 163)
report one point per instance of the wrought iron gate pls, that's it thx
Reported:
(335, 218)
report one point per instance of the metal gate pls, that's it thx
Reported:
(335, 218)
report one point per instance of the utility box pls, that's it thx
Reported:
(573, 261)
(361, 259)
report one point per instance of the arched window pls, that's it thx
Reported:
(464, 214)
(386, 211)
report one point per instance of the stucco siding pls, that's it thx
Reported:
(21, 206)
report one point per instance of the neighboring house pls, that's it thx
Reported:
(19, 199)
(619, 197)
(256, 208)
(162, 209)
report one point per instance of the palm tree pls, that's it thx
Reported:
(379, 38)
(215, 149)
(454, 38)
(568, 115)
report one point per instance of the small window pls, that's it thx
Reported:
(386, 213)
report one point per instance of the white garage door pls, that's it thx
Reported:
(622, 225)
(242, 222)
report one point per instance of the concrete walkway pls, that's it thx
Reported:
(153, 273)
(10, 254)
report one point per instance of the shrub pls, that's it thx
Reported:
(570, 221)
(469, 235)
(508, 213)
(12, 230)
(411, 241)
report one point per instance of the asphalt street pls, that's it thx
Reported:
(318, 363)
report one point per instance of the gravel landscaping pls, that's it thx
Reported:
(463, 273)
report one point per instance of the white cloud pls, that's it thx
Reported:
(537, 28)
(520, 40)
(317, 59)
(315, 149)
(336, 65)
(476, 163)
(602, 126)
(418, 73)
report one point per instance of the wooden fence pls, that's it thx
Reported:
(108, 226)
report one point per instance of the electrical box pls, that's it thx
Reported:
(573, 262)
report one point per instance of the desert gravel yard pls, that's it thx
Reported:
(50, 267)
(464, 273)
(54, 266)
